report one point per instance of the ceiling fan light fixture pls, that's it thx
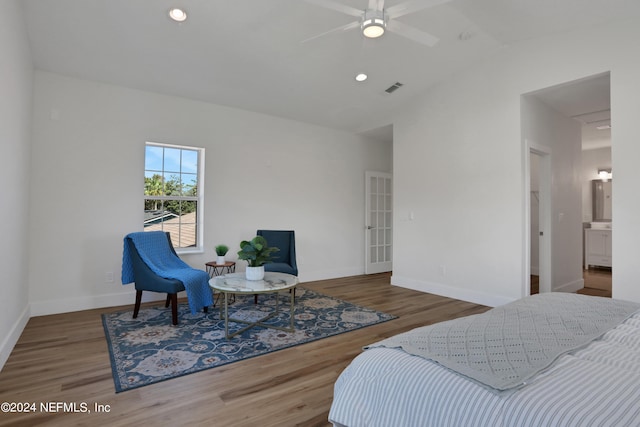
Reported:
(373, 24)
(373, 28)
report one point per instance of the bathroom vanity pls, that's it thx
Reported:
(597, 247)
(597, 239)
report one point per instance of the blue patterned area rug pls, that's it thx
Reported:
(149, 349)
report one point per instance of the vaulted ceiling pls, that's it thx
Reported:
(249, 53)
(587, 101)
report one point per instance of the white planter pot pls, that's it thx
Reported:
(220, 260)
(255, 273)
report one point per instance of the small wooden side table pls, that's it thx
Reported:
(215, 269)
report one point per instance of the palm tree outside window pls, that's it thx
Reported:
(172, 197)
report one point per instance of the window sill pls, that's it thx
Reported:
(189, 251)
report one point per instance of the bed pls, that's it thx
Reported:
(553, 359)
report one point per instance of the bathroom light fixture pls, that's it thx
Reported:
(373, 24)
(361, 77)
(605, 174)
(177, 14)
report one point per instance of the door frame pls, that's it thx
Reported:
(544, 181)
(378, 267)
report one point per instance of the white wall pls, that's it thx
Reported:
(465, 134)
(457, 166)
(625, 152)
(16, 83)
(261, 172)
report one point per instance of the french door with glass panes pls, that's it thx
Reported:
(378, 221)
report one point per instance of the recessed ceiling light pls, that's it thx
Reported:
(361, 77)
(177, 15)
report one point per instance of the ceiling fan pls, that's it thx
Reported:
(375, 20)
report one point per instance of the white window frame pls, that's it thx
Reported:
(199, 198)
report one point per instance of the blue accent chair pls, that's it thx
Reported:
(284, 260)
(147, 280)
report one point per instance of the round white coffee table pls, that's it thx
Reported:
(237, 283)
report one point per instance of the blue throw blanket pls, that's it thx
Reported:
(153, 247)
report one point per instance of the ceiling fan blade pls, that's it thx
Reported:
(412, 6)
(349, 26)
(338, 7)
(412, 33)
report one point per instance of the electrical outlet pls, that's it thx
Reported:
(108, 277)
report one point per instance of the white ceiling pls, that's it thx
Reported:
(248, 53)
(589, 102)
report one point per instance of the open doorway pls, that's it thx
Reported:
(574, 118)
(539, 219)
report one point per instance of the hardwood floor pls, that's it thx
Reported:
(597, 282)
(64, 358)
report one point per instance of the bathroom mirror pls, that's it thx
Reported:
(601, 198)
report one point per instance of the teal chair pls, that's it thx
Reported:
(147, 280)
(284, 260)
(135, 269)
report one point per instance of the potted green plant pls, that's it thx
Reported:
(221, 251)
(257, 253)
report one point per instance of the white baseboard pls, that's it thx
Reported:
(574, 286)
(329, 274)
(12, 337)
(70, 304)
(450, 292)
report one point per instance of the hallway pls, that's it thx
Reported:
(597, 282)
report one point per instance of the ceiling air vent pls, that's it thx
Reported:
(394, 87)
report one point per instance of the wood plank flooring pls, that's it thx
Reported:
(64, 358)
(597, 283)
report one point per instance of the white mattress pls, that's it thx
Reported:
(595, 386)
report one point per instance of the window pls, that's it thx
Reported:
(173, 177)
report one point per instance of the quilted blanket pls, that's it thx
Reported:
(505, 346)
(155, 251)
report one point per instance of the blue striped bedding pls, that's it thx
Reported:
(598, 385)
